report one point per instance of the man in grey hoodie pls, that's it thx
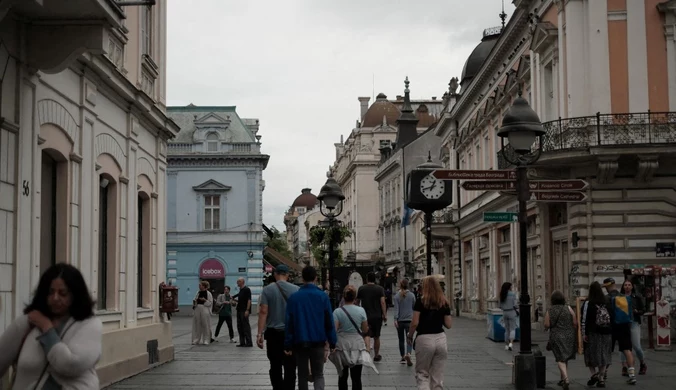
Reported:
(403, 314)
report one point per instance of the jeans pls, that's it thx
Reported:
(510, 328)
(279, 362)
(431, 351)
(635, 343)
(402, 331)
(352, 372)
(315, 356)
(228, 321)
(244, 329)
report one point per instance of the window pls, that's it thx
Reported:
(146, 30)
(478, 157)
(212, 142)
(301, 210)
(212, 212)
(504, 235)
(143, 252)
(103, 244)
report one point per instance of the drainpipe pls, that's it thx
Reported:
(457, 229)
(590, 246)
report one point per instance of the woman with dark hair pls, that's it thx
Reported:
(597, 331)
(351, 352)
(639, 309)
(561, 322)
(403, 314)
(201, 321)
(57, 342)
(509, 313)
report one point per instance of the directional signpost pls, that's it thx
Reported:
(489, 185)
(453, 174)
(499, 216)
(559, 196)
(557, 185)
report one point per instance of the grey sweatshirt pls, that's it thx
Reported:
(403, 306)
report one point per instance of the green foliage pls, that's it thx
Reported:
(321, 237)
(278, 243)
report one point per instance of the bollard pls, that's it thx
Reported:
(540, 367)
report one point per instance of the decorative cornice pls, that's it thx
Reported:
(75, 158)
(217, 160)
(607, 167)
(123, 179)
(647, 166)
(154, 195)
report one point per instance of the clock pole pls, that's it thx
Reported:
(428, 239)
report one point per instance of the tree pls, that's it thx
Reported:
(320, 239)
(278, 243)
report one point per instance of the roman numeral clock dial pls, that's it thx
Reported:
(432, 188)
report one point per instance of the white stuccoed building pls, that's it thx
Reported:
(83, 141)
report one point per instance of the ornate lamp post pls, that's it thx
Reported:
(331, 199)
(521, 126)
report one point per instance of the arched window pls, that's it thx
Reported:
(212, 142)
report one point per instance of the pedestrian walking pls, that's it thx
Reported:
(562, 325)
(372, 298)
(271, 325)
(56, 343)
(243, 301)
(351, 353)
(639, 309)
(225, 313)
(510, 313)
(621, 313)
(201, 320)
(404, 301)
(309, 326)
(597, 331)
(431, 314)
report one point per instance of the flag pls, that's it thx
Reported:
(406, 220)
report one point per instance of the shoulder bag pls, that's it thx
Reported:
(349, 317)
(15, 363)
(281, 291)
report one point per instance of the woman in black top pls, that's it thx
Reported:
(431, 314)
(596, 328)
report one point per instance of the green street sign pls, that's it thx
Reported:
(499, 216)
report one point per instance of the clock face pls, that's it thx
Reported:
(432, 188)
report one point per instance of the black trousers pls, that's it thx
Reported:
(244, 329)
(228, 321)
(354, 373)
(282, 367)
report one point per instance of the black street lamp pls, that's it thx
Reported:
(331, 205)
(522, 127)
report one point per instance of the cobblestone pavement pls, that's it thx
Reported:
(474, 362)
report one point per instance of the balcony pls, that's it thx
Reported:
(604, 130)
(442, 224)
(225, 148)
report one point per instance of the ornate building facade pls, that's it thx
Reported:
(601, 76)
(357, 160)
(215, 201)
(83, 165)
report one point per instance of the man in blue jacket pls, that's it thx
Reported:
(309, 326)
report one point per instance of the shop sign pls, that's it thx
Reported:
(212, 269)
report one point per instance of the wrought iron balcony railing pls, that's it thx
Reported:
(580, 133)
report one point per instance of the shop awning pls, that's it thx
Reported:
(278, 258)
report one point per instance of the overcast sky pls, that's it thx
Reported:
(299, 66)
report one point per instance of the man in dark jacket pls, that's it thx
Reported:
(309, 326)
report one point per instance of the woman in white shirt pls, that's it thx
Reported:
(351, 353)
(201, 321)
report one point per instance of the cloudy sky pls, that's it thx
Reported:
(299, 66)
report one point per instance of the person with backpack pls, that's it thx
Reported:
(621, 313)
(597, 335)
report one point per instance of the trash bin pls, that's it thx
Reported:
(496, 328)
(540, 367)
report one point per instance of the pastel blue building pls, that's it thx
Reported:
(214, 201)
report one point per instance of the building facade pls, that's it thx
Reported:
(296, 236)
(601, 76)
(357, 160)
(214, 201)
(83, 165)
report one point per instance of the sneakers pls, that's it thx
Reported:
(632, 376)
(402, 361)
(233, 341)
(408, 360)
(643, 369)
(377, 358)
(632, 380)
(593, 380)
(509, 346)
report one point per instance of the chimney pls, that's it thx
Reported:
(434, 98)
(407, 123)
(364, 105)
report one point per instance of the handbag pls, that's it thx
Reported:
(352, 321)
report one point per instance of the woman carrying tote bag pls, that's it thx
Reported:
(57, 342)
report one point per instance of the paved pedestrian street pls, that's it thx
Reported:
(474, 362)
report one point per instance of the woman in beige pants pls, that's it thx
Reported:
(431, 314)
